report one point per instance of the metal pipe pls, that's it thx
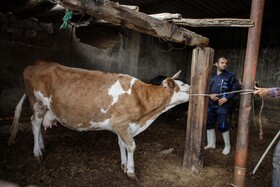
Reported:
(249, 74)
(266, 151)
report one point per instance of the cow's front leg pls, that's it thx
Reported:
(123, 154)
(127, 140)
(130, 160)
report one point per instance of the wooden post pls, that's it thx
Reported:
(202, 60)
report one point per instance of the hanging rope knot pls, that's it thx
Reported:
(174, 29)
(247, 91)
(68, 15)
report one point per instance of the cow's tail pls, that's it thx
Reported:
(14, 128)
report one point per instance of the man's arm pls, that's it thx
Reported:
(233, 87)
(262, 92)
(274, 92)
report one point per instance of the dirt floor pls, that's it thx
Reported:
(93, 159)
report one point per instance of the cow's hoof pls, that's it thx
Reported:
(43, 150)
(132, 176)
(124, 168)
(39, 158)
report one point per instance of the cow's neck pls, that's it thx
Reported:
(154, 98)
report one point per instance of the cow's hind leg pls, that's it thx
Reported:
(41, 141)
(36, 121)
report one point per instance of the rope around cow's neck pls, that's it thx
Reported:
(246, 91)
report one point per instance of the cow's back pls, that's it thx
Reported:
(78, 96)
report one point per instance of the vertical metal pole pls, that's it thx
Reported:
(251, 59)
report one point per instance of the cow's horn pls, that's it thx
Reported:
(176, 75)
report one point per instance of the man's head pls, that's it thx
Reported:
(221, 64)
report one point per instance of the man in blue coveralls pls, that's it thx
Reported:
(222, 81)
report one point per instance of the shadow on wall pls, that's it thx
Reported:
(98, 36)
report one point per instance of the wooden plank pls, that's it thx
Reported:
(136, 8)
(202, 60)
(166, 16)
(215, 22)
(138, 21)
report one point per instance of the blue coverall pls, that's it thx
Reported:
(224, 82)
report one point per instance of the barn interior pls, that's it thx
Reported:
(31, 30)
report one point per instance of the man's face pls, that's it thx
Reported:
(222, 64)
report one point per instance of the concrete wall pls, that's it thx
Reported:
(22, 42)
(268, 70)
(132, 53)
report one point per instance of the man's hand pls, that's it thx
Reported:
(222, 100)
(262, 92)
(214, 97)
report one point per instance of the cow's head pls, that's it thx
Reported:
(177, 85)
(181, 90)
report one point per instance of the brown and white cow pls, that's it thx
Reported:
(86, 100)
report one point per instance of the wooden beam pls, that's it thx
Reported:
(202, 60)
(138, 21)
(160, 16)
(216, 22)
(136, 8)
(166, 16)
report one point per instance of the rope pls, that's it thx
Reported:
(246, 91)
(260, 121)
(174, 27)
(253, 111)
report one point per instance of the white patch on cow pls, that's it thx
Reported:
(179, 97)
(104, 111)
(103, 125)
(45, 100)
(116, 90)
(182, 86)
(135, 129)
(182, 95)
(49, 120)
(131, 84)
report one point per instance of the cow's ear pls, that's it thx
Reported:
(170, 83)
(176, 75)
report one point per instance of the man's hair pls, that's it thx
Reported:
(216, 61)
